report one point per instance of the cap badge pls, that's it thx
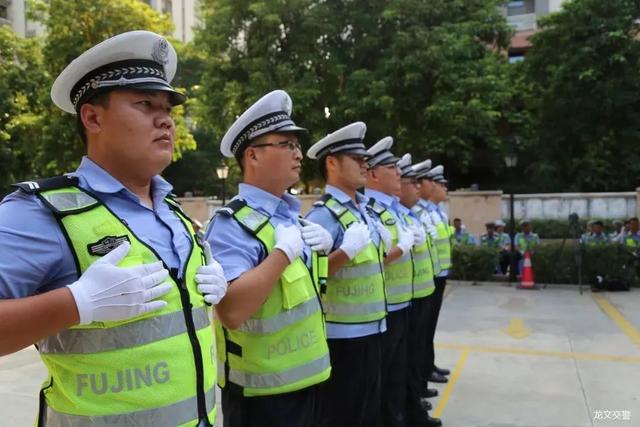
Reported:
(160, 51)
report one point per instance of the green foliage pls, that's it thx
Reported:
(584, 84)
(557, 263)
(473, 262)
(38, 134)
(427, 73)
(559, 228)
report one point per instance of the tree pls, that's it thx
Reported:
(584, 86)
(427, 73)
(48, 136)
(21, 68)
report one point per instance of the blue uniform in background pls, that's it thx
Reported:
(35, 255)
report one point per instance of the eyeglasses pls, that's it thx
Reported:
(290, 144)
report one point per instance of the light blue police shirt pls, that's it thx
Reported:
(321, 215)
(392, 205)
(35, 255)
(236, 249)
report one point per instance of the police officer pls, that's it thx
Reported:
(504, 242)
(271, 340)
(526, 240)
(433, 190)
(631, 238)
(490, 238)
(422, 298)
(596, 235)
(83, 255)
(354, 297)
(382, 189)
(460, 235)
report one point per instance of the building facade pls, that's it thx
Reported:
(183, 14)
(523, 16)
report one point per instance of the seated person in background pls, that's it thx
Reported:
(596, 235)
(460, 235)
(504, 243)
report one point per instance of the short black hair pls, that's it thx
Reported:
(457, 219)
(322, 167)
(635, 218)
(101, 99)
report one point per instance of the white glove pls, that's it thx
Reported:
(419, 234)
(108, 292)
(405, 239)
(316, 236)
(289, 241)
(385, 235)
(210, 278)
(355, 239)
(433, 232)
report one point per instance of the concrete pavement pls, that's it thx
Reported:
(546, 358)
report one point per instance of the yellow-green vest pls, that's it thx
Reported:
(398, 276)
(283, 346)
(435, 260)
(154, 369)
(443, 245)
(630, 242)
(423, 284)
(356, 292)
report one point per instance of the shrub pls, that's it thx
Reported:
(473, 262)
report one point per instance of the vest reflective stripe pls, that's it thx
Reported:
(279, 379)
(357, 271)
(423, 284)
(342, 309)
(356, 292)
(173, 415)
(282, 320)
(443, 246)
(398, 275)
(277, 349)
(64, 202)
(83, 341)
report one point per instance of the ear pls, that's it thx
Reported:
(371, 174)
(91, 116)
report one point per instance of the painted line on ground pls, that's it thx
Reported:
(530, 352)
(442, 403)
(615, 315)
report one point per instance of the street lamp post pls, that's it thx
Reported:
(511, 160)
(223, 172)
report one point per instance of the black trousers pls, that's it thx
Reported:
(352, 395)
(434, 313)
(394, 369)
(416, 353)
(295, 409)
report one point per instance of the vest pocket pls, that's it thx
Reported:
(294, 290)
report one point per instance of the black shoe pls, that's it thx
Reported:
(426, 404)
(437, 378)
(429, 422)
(441, 371)
(429, 393)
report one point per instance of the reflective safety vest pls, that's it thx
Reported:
(527, 242)
(443, 245)
(435, 261)
(398, 276)
(423, 284)
(154, 369)
(283, 346)
(356, 292)
(631, 242)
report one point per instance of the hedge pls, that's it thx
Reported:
(559, 228)
(552, 263)
(473, 262)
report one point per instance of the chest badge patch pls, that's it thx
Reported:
(106, 245)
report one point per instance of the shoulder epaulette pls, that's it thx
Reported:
(232, 207)
(376, 207)
(46, 184)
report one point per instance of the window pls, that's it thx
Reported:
(521, 7)
(3, 12)
(516, 58)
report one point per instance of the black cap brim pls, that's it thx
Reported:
(175, 97)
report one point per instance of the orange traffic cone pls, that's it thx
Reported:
(527, 281)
